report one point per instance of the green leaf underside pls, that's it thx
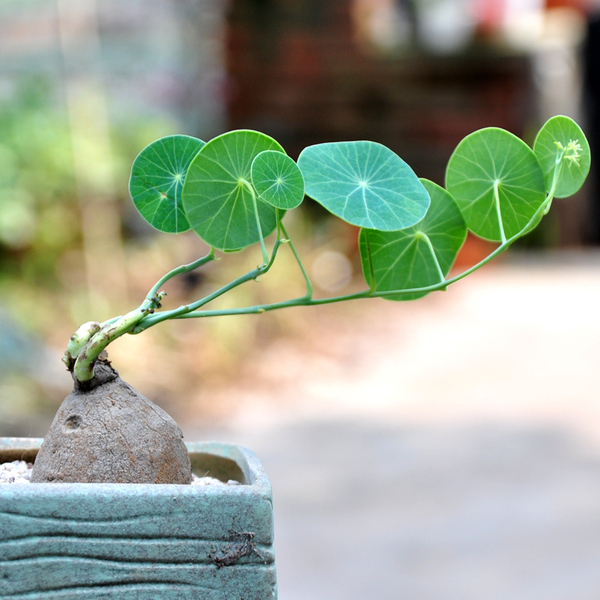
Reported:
(365, 184)
(156, 181)
(277, 180)
(216, 195)
(494, 155)
(403, 260)
(572, 175)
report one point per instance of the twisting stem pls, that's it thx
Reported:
(78, 342)
(91, 339)
(152, 319)
(84, 364)
(178, 271)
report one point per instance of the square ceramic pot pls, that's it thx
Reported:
(125, 541)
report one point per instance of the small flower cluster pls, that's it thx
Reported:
(572, 152)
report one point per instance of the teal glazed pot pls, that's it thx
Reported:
(136, 541)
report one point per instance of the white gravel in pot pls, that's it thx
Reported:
(19, 471)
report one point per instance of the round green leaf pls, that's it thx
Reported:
(218, 197)
(563, 132)
(156, 181)
(277, 179)
(365, 184)
(417, 256)
(497, 183)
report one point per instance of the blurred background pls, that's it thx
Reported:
(444, 449)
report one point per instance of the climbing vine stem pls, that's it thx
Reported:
(222, 205)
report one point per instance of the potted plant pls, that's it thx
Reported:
(108, 530)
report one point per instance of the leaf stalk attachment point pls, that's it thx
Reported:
(83, 368)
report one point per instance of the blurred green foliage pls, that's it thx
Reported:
(37, 195)
(42, 273)
(40, 212)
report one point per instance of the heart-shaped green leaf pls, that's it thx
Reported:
(557, 135)
(156, 181)
(218, 197)
(497, 183)
(277, 180)
(418, 256)
(364, 183)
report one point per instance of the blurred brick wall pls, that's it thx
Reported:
(298, 73)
